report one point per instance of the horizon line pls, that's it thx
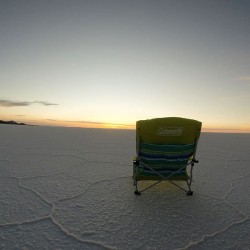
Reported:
(117, 126)
(110, 125)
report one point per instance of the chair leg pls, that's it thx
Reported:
(136, 188)
(134, 166)
(189, 192)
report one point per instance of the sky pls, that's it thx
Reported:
(109, 63)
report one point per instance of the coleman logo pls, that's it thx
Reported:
(170, 131)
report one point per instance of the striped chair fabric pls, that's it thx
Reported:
(167, 160)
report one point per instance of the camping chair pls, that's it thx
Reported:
(165, 148)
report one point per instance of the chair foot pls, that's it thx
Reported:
(137, 192)
(190, 193)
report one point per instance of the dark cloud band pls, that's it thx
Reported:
(45, 103)
(8, 103)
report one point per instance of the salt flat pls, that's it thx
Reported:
(70, 188)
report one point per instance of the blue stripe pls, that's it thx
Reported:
(166, 147)
(164, 171)
(164, 156)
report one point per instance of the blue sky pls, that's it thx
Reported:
(89, 63)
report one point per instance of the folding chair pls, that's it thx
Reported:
(166, 149)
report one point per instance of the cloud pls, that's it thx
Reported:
(9, 103)
(45, 103)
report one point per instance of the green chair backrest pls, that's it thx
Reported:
(168, 130)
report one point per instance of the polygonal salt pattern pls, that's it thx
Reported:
(66, 188)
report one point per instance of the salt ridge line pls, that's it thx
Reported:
(82, 158)
(56, 201)
(75, 156)
(65, 172)
(224, 199)
(53, 204)
(51, 217)
(91, 184)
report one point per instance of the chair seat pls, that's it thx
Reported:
(153, 176)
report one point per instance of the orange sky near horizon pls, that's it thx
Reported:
(103, 125)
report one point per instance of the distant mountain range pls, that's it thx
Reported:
(11, 123)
